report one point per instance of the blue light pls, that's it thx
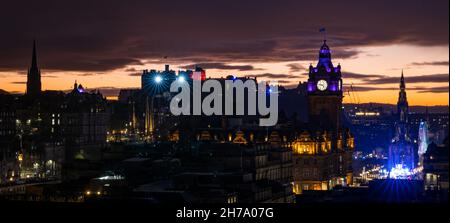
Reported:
(400, 172)
(158, 79)
(181, 79)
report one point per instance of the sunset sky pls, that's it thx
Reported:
(106, 44)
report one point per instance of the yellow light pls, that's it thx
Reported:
(20, 157)
(88, 192)
(98, 192)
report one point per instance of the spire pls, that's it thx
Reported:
(325, 57)
(402, 81)
(34, 75)
(34, 57)
(402, 104)
(402, 93)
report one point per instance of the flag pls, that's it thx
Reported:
(322, 29)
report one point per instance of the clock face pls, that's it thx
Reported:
(322, 85)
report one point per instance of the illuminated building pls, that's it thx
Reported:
(149, 121)
(155, 89)
(253, 171)
(437, 125)
(423, 141)
(325, 91)
(401, 153)
(435, 168)
(322, 151)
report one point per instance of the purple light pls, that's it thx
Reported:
(310, 87)
(333, 87)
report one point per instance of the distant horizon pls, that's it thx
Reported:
(115, 97)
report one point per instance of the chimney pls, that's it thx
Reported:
(167, 67)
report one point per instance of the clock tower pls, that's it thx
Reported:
(324, 89)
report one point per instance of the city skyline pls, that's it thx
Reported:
(111, 52)
(224, 102)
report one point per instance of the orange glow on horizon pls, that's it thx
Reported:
(386, 63)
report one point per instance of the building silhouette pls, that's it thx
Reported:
(34, 76)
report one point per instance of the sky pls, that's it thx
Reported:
(105, 45)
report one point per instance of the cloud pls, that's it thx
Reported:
(432, 63)
(295, 67)
(361, 76)
(285, 81)
(85, 36)
(273, 76)
(359, 88)
(432, 78)
(135, 74)
(18, 82)
(221, 66)
(442, 89)
(132, 69)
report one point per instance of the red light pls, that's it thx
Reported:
(199, 75)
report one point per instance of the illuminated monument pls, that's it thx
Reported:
(325, 91)
(322, 151)
(401, 155)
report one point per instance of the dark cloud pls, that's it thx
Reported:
(443, 89)
(432, 78)
(369, 79)
(221, 66)
(18, 82)
(432, 63)
(361, 76)
(274, 76)
(296, 67)
(284, 81)
(358, 88)
(103, 35)
(135, 74)
(132, 69)
(86, 74)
